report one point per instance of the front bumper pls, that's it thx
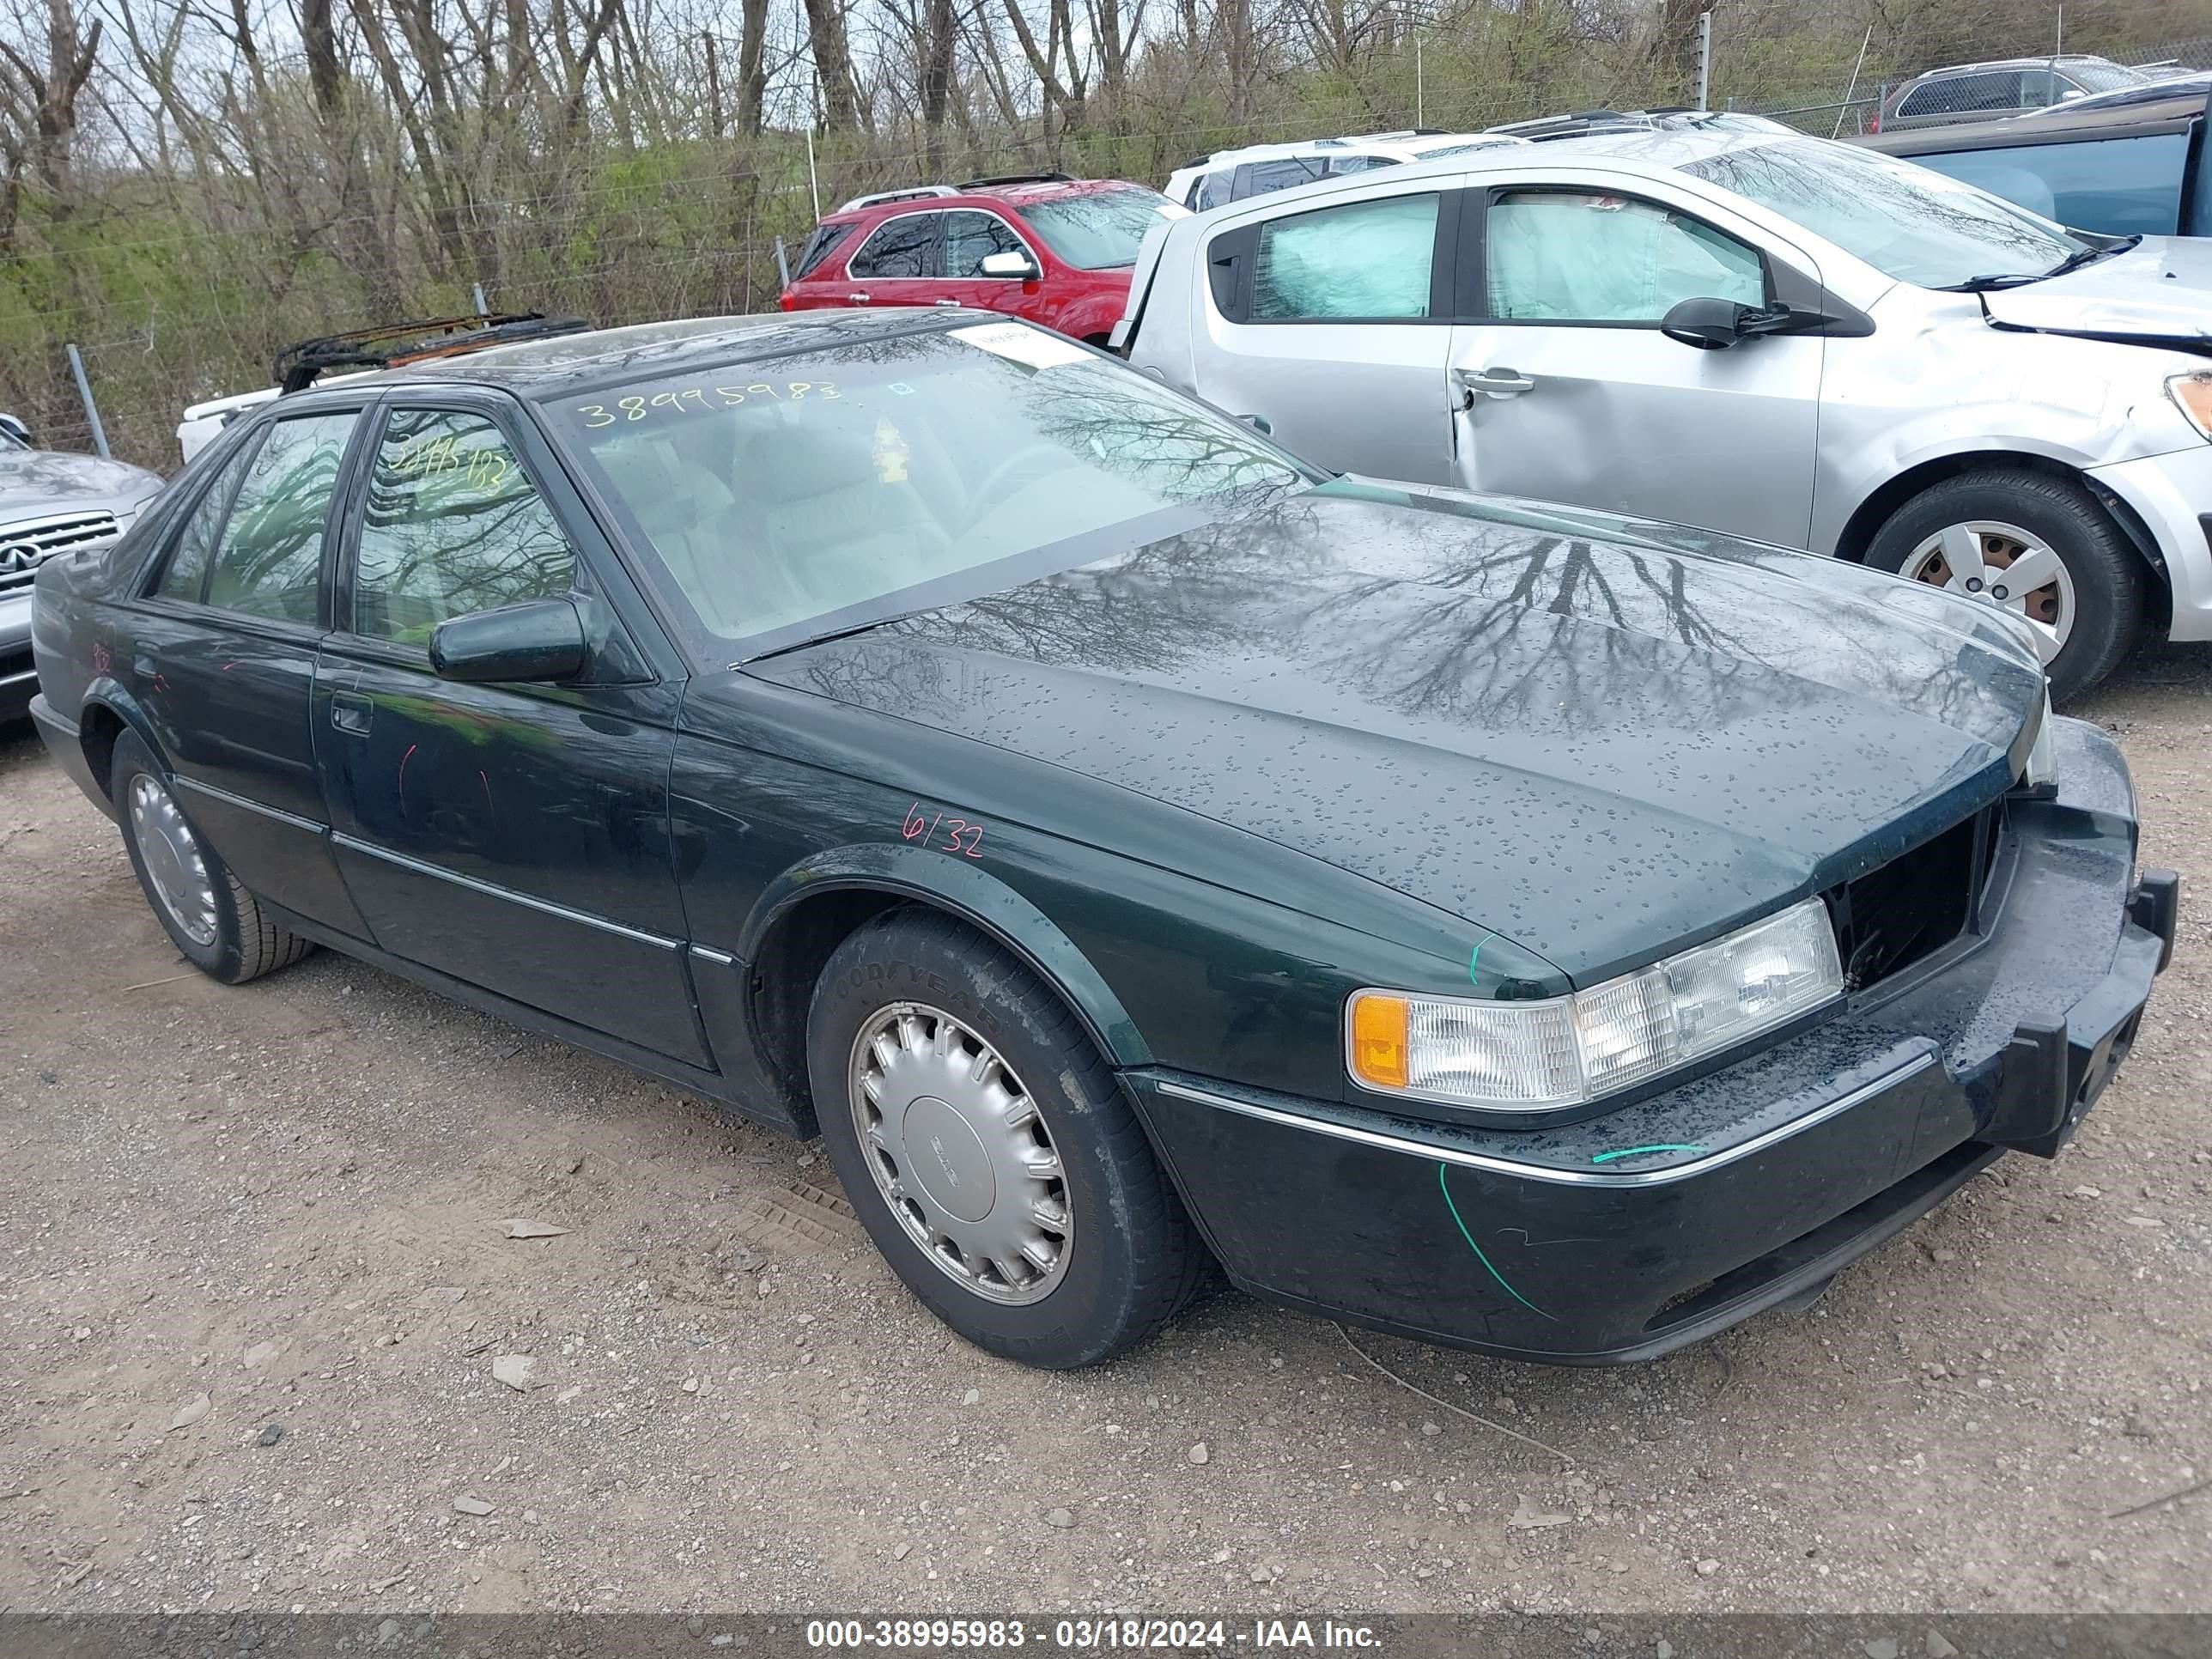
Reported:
(2172, 496)
(1626, 1236)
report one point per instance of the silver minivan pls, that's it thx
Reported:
(1722, 323)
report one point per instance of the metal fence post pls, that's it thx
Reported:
(782, 262)
(1705, 58)
(91, 408)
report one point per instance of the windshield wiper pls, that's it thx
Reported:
(819, 639)
(2074, 261)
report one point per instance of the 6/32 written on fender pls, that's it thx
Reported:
(1084, 1635)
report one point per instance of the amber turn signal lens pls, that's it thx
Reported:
(1380, 1046)
(2194, 393)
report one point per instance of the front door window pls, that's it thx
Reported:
(1573, 257)
(453, 524)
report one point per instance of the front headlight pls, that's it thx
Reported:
(1540, 1056)
(2192, 396)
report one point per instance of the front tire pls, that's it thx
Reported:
(215, 924)
(2083, 592)
(988, 1150)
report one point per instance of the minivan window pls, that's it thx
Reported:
(1287, 173)
(1364, 260)
(1905, 221)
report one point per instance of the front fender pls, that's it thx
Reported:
(978, 897)
(1889, 405)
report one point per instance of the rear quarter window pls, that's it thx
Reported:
(825, 241)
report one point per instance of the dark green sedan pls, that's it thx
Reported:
(1126, 847)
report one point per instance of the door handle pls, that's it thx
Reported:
(1495, 382)
(856, 299)
(946, 305)
(351, 713)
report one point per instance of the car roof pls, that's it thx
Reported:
(2154, 105)
(1987, 64)
(1411, 140)
(1662, 143)
(1005, 195)
(536, 368)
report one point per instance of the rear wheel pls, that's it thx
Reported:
(217, 924)
(988, 1150)
(2036, 544)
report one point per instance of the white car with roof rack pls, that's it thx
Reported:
(1234, 176)
(366, 350)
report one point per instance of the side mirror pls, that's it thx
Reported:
(1710, 325)
(12, 428)
(1259, 423)
(1013, 264)
(540, 642)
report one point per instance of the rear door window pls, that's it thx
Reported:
(269, 560)
(904, 246)
(1365, 260)
(184, 576)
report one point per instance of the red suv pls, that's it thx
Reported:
(1043, 247)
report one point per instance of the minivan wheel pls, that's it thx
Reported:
(988, 1148)
(2041, 547)
(217, 926)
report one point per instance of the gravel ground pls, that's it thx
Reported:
(260, 1304)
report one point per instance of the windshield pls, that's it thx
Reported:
(1099, 229)
(1903, 220)
(823, 491)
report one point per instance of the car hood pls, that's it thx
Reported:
(33, 481)
(1551, 724)
(2159, 291)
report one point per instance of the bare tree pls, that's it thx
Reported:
(41, 108)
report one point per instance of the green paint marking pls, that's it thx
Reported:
(1446, 1188)
(1637, 1152)
(1474, 958)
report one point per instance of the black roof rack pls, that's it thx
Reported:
(397, 345)
(1017, 178)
